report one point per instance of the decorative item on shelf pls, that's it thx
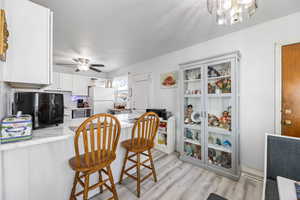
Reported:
(189, 134)
(4, 34)
(192, 150)
(211, 88)
(212, 72)
(169, 80)
(213, 120)
(197, 135)
(224, 85)
(218, 141)
(223, 122)
(219, 158)
(227, 144)
(225, 71)
(196, 117)
(211, 139)
(188, 114)
(193, 74)
(193, 92)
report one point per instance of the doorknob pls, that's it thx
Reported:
(287, 122)
(288, 111)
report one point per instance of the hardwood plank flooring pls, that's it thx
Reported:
(178, 180)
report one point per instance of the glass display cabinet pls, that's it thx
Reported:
(210, 113)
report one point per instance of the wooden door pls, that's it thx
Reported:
(291, 90)
(141, 92)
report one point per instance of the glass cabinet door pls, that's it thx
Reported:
(193, 126)
(219, 138)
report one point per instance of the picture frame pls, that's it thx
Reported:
(169, 80)
(4, 34)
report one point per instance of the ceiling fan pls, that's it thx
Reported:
(83, 64)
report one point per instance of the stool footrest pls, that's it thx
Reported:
(130, 168)
(147, 176)
(131, 176)
(91, 187)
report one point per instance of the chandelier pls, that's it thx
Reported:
(231, 11)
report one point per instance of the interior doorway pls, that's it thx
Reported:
(141, 90)
(290, 100)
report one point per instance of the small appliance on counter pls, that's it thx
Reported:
(163, 113)
(16, 128)
(46, 109)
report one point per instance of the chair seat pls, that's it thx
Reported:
(105, 159)
(136, 147)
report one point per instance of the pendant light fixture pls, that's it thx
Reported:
(231, 11)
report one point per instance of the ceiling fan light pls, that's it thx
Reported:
(246, 1)
(83, 67)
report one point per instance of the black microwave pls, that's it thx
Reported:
(46, 109)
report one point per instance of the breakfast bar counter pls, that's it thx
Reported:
(33, 169)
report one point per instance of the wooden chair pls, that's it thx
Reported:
(142, 139)
(98, 136)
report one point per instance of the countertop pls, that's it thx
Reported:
(61, 132)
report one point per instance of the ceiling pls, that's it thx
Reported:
(119, 33)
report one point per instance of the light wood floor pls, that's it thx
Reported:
(178, 180)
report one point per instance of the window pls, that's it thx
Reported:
(121, 90)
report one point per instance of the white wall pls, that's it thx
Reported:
(256, 45)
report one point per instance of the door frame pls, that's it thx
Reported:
(278, 81)
(131, 87)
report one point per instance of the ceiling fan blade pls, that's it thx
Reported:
(97, 65)
(95, 69)
(65, 64)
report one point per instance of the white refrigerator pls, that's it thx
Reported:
(102, 99)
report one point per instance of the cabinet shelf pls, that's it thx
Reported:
(192, 95)
(193, 126)
(218, 77)
(219, 130)
(192, 141)
(225, 95)
(219, 148)
(192, 80)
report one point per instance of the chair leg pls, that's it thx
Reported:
(86, 186)
(100, 180)
(123, 168)
(138, 174)
(72, 196)
(111, 179)
(152, 165)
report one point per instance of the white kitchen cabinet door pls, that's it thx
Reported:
(66, 81)
(80, 85)
(29, 56)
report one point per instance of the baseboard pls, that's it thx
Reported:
(252, 173)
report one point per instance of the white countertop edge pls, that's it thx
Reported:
(48, 135)
(32, 142)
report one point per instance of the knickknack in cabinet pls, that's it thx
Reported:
(209, 112)
(165, 138)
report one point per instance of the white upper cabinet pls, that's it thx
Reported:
(66, 82)
(61, 82)
(29, 56)
(80, 85)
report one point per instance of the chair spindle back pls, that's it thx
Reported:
(145, 129)
(100, 134)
